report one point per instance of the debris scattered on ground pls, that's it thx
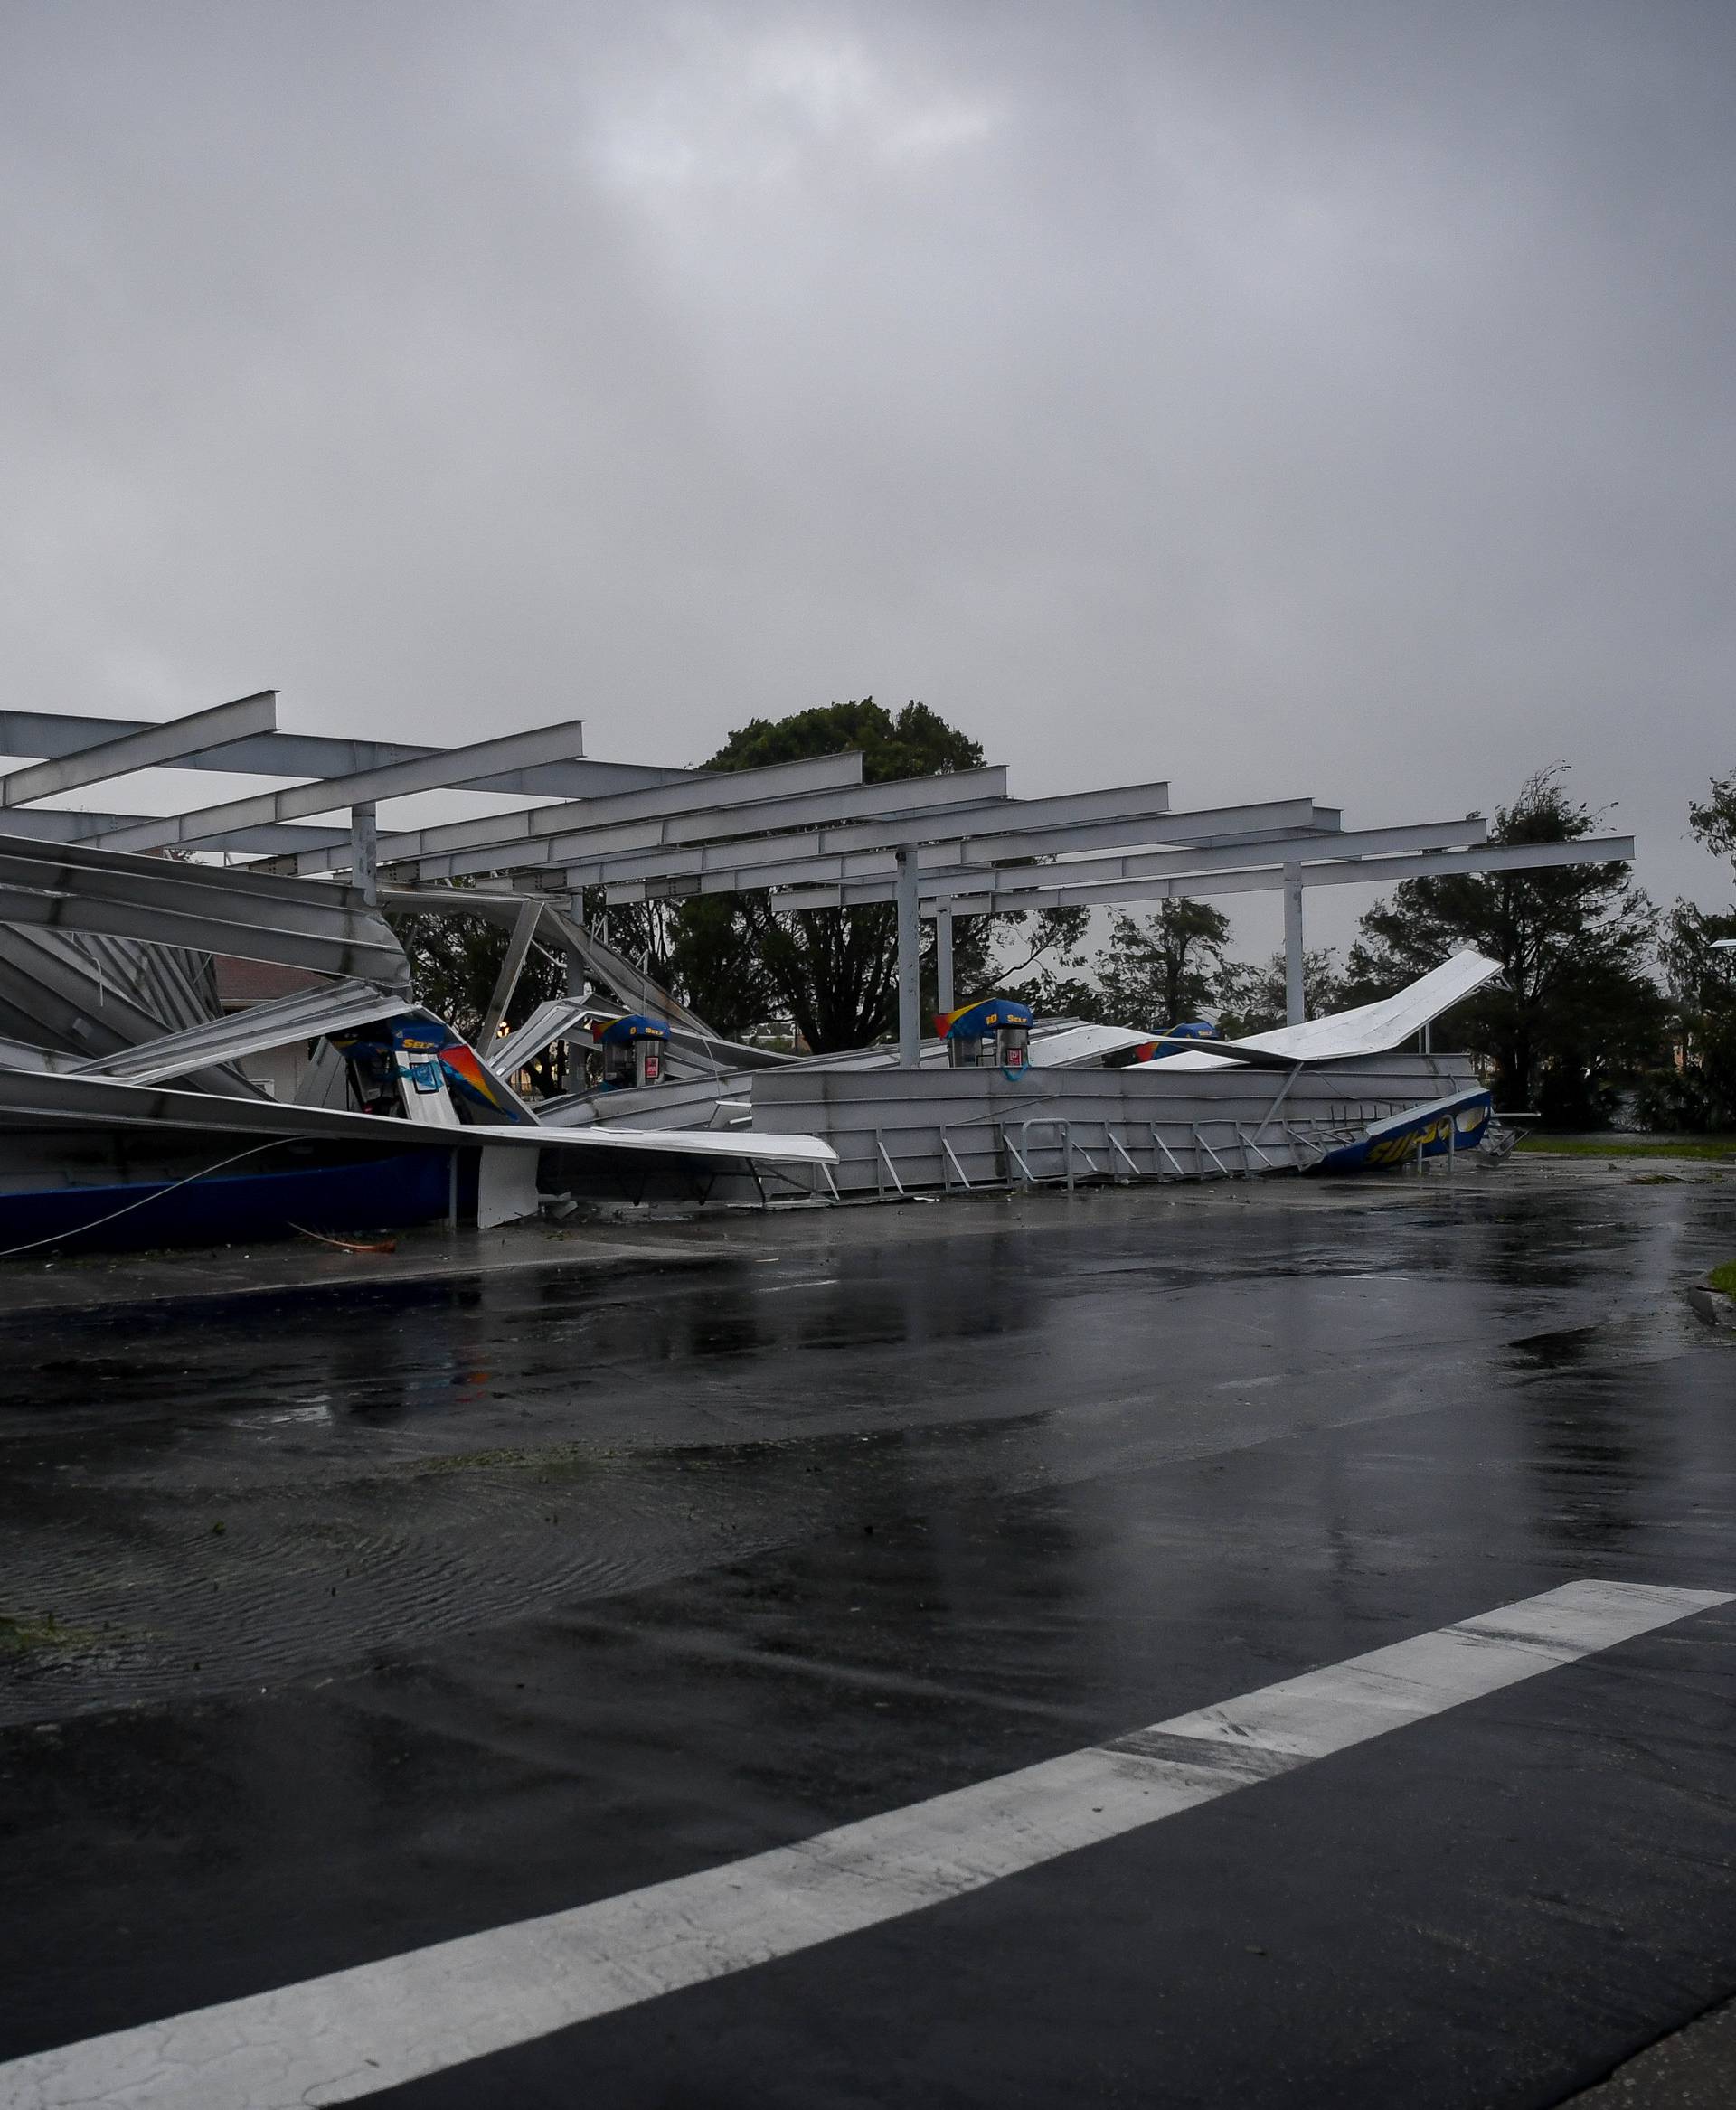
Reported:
(347, 1244)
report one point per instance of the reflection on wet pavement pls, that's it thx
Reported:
(210, 1497)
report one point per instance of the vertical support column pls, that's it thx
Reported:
(943, 957)
(1295, 997)
(573, 1067)
(910, 964)
(364, 852)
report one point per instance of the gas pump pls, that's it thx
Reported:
(633, 1051)
(373, 1069)
(994, 1034)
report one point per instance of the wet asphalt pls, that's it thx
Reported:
(354, 1616)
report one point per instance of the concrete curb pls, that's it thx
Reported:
(1713, 1307)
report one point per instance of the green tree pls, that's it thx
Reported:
(1578, 1016)
(1164, 968)
(1254, 997)
(1053, 995)
(738, 958)
(1697, 1089)
(1714, 820)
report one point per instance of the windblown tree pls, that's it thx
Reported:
(1173, 966)
(1579, 1017)
(1697, 1091)
(1253, 997)
(1164, 968)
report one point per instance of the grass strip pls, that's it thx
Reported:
(1694, 1146)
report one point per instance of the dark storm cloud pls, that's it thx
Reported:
(1322, 398)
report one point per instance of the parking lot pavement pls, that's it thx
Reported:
(1266, 1647)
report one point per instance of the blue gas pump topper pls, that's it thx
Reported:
(994, 1034)
(632, 1052)
(1173, 1040)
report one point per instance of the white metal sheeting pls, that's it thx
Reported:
(253, 1032)
(1076, 1044)
(34, 1098)
(1372, 1029)
(549, 1022)
(741, 1145)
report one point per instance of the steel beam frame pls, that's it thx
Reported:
(1296, 1007)
(600, 961)
(795, 860)
(77, 888)
(518, 947)
(116, 875)
(659, 842)
(60, 824)
(439, 772)
(54, 734)
(213, 934)
(744, 801)
(1239, 852)
(1185, 885)
(202, 731)
(1004, 828)
(910, 964)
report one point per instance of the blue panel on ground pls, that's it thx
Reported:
(405, 1187)
(1448, 1125)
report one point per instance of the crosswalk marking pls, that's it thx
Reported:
(351, 2033)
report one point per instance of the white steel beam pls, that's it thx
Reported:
(149, 749)
(51, 824)
(943, 959)
(364, 851)
(1186, 885)
(435, 772)
(51, 734)
(910, 964)
(1296, 1005)
(118, 876)
(559, 835)
(790, 860)
(726, 802)
(643, 813)
(1240, 853)
(353, 950)
(518, 949)
(165, 902)
(613, 844)
(1132, 812)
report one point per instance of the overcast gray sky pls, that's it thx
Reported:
(1304, 396)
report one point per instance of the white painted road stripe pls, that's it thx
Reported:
(334, 2038)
